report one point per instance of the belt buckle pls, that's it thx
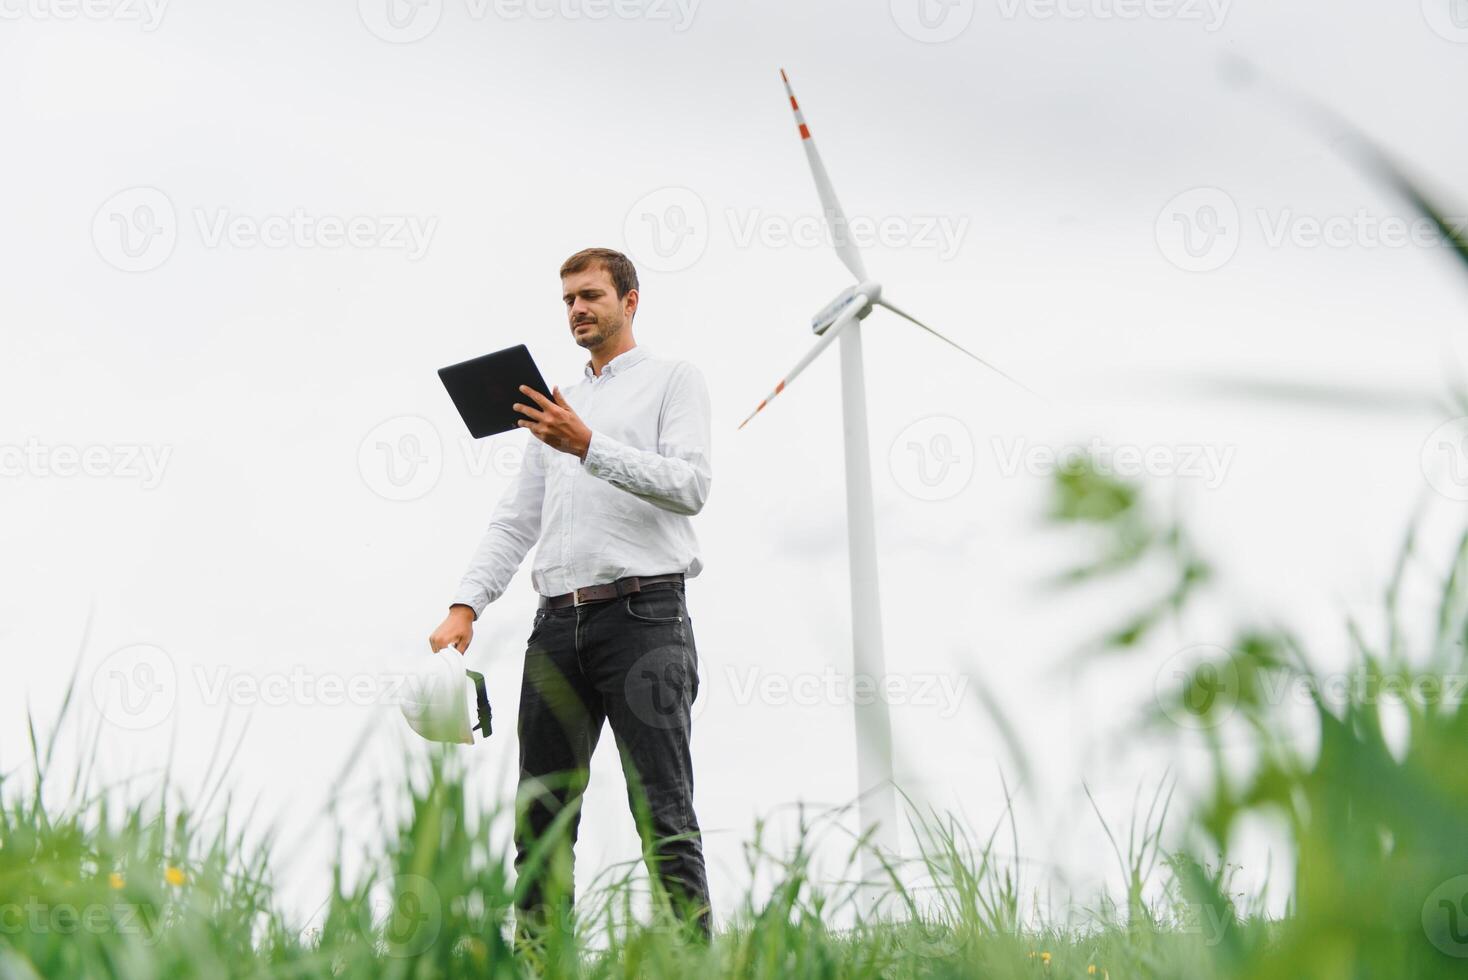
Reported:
(575, 597)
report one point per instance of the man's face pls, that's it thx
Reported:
(593, 309)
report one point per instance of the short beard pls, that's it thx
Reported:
(596, 339)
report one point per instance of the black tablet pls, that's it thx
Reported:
(485, 388)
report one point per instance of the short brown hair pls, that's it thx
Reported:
(617, 265)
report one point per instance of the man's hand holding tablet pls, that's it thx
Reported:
(485, 389)
(554, 422)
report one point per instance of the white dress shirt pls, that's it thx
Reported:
(625, 509)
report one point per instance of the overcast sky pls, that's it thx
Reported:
(239, 239)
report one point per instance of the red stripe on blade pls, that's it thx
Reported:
(804, 131)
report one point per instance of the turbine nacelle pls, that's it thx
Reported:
(832, 311)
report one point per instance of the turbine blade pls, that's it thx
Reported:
(836, 327)
(835, 218)
(912, 319)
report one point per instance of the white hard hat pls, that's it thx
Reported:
(437, 696)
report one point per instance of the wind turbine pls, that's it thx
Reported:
(842, 317)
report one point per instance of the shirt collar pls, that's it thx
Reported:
(618, 364)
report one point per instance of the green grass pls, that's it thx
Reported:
(140, 893)
(1377, 823)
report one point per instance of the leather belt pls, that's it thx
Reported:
(611, 590)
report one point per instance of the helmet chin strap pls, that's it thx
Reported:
(481, 695)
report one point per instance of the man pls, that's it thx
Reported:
(619, 465)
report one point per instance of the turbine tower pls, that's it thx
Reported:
(842, 317)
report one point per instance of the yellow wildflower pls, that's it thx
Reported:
(174, 876)
(115, 880)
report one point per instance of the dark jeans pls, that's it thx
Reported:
(630, 661)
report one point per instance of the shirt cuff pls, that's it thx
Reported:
(474, 602)
(598, 452)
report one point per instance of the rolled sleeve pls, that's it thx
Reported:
(596, 460)
(677, 476)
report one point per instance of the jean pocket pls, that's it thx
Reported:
(541, 615)
(655, 605)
